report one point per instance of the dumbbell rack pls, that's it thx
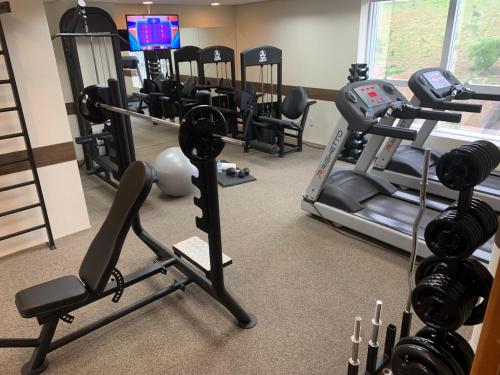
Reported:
(21, 160)
(357, 140)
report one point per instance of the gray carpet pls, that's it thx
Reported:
(304, 281)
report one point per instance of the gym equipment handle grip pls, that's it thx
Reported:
(486, 96)
(389, 131)
(462, 107)
(439, 116)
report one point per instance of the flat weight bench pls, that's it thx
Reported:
(54, 300)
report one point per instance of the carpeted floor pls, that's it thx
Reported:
(304, 282)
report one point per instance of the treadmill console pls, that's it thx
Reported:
(433, 85)
(363, 103)
(438, 88)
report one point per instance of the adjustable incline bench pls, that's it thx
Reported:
(200, 262)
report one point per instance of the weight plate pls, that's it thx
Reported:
(458, 170)
(479, 282)
(471, 274)
(461, 351)
(417, 356)
(86, 105)
(481, 162)
(481, 153)
(442, 302)
(195, 133)
(428, 266)
(454, 345)
(493, 151)
(448, 237)
(482, 215)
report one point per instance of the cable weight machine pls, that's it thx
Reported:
(91, 32)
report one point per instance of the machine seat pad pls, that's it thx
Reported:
(50, 296)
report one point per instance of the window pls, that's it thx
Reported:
(460, 35)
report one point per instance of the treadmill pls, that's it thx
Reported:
(434, 88)
(367, 203)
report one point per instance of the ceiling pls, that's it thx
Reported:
(183, 2)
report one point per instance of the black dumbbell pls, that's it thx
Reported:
(450, 294)
(235, 172)
(432, 352)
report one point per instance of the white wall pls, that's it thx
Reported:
(319, 39)
(34, 64)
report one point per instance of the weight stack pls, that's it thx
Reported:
(356, 142)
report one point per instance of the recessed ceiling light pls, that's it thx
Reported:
(215, 4)
(147, 2)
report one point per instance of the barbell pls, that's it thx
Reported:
(202, 132)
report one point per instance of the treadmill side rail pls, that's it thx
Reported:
(392, 144)
(327, 161)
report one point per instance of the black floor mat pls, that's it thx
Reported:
(227, 181)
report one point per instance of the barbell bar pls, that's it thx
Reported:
(92, 107)
(159, 121)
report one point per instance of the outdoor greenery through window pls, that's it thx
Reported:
(407, 35)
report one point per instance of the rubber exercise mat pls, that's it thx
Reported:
(227, 181)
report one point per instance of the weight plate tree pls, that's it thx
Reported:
(452, 290)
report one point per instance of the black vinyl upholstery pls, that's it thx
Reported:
(51, 295)
(188, 89)
(271, 134)
(60, 294)
(105, 249)
(294, 104)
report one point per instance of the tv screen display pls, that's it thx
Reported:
(148, 32)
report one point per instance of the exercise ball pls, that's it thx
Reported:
(174, 170)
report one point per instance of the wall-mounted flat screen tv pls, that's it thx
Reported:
(149, 32)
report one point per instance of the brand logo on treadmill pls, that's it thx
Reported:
(217, 56)
(262, 56)
(331, 152)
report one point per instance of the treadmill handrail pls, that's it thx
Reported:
(407, 111)
(390, 131)
(462, 107)
(462, 92)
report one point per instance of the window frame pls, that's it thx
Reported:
(448, 44)
(452, 24)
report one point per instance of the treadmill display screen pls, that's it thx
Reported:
(437, 80)
(372, 95)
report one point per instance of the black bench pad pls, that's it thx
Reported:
(50, 296)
